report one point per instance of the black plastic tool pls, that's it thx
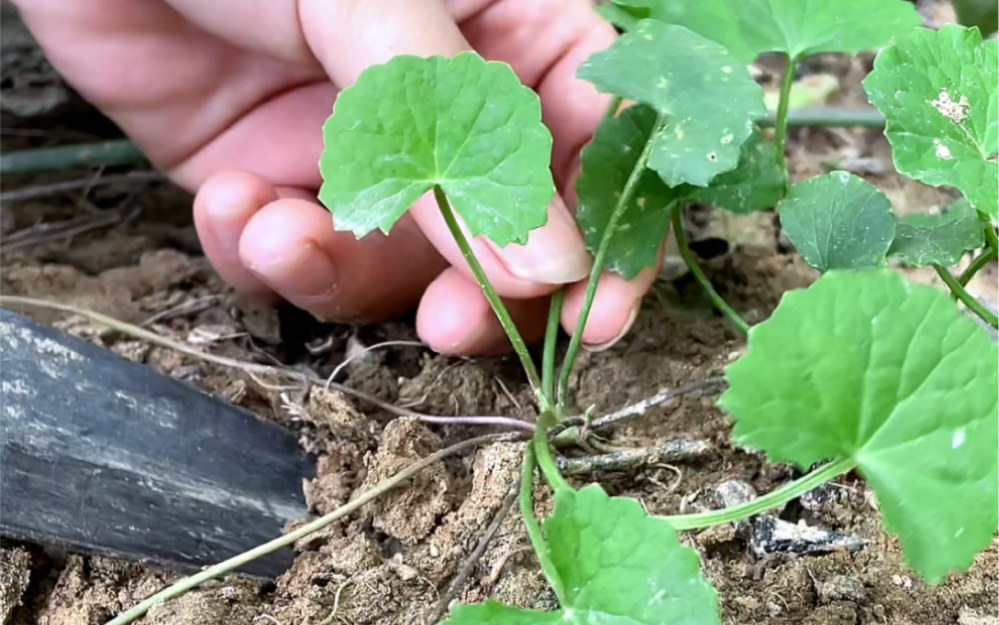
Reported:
(102, 455)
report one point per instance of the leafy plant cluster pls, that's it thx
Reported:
(860, 371)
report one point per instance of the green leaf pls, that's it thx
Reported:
(462, 123)
(864, 365)
(798, 28)
(616, 561)
(939, 91)
(942, 239)
(707, 97)
(754, 185)
(618, 566)
(838, 221)
(608, 161)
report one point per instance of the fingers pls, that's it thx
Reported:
(266, 241)
(455, 318)
(615, 306)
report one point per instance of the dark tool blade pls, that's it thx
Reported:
(102, 455)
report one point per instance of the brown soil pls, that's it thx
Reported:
(390, 563)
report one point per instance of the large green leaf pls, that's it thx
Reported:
(462, 123)
(866, 366)
(754, 185)
(617, 565)
(608, 162)
(706, 96)
(838, 221)
(942, 239)
(939, 91)
(796, 27)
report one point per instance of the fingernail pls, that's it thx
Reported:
(554, 254)
(624, 331)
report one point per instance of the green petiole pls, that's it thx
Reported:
(544, 453)
(780, 126)
(966, 298)
(598, 263)
(990, 233)
(487, 289)
(688, 257)
(762, 504)
(534, 532)
(551, 338)
(976, 265)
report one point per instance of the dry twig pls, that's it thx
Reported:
(673, 450)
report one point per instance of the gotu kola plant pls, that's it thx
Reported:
(861, 370)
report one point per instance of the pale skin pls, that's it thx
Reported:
(229, 96)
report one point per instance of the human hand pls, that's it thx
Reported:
(229, 97)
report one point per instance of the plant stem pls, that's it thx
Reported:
(688, 257)
(598, 262)
(534, 532)
(960, 293)
(179, 588)
(551, 338)
(780, 126)
(762, 504)
(544, 453)
(487, 289)
(976, 265)
(613, 107)
(990, 232)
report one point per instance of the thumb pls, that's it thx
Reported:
(347, 37)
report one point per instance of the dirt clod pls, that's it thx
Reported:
(15, 574)
(408, 514)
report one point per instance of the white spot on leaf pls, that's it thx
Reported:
(941, 150)
(727, 69)
(958, 438)
(957, 112)
(727, 139)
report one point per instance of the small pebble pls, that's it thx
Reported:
(819, 498)
(733, 493)
(841, 588)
